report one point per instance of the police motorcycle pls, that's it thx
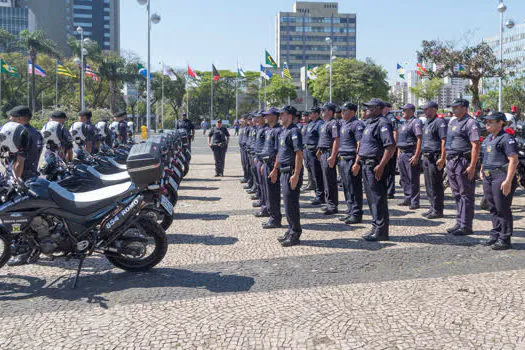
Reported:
(185, 148)
(82, 175)
(520, 139)
(40, 217)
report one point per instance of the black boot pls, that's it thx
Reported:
(283, 237)
(502, 244)
(291, 240)
(376, 237)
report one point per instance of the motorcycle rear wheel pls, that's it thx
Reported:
(135, 237)
(5, 250)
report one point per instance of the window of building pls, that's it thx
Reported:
(82, 7)
(82, 15)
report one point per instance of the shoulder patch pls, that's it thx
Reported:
(384, 129)
(511, 141)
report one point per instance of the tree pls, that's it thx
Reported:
(8, 42)
(278, 91)
(472, 62)
(513, 95)
(36, 42)
(427, 89)
(352, 80)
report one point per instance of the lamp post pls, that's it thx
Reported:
(155, 18)
(329, 41)
(509, 24)
(81, 63)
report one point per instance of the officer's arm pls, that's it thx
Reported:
(89, 146)
(395, 135)
(443, 149)
(418, 147)
(335, 147)
(389, 152)
(18, 165)
(299, 157)
(513, 165)
(474, 154)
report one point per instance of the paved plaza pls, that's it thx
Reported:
(226, 283)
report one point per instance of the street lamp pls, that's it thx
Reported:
(329, 41)
(80, 62)
(155, 19)
(509, 24)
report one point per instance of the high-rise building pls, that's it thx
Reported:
(513, 46)
(15, 16)
(301, 35)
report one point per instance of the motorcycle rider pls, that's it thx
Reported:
(122, 127)
(79, 131)
(65, 148)
(92, 135)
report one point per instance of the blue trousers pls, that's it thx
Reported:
(463, 190)
(330, 182)
(274, 195)
(376, 195)
(353, 187)
(317, 174)
(499, 205)
(291, 202)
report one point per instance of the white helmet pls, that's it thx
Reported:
(78, 131)
(51, 132)
(131, 127)
(114, 127)
(102, 128)
(14, 137)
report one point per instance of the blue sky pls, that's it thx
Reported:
(202, 32)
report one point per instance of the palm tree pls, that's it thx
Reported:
(37, 42)
(113, 69)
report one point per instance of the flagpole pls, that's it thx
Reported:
(211, 104)
(56, 84)
(162, 103)
(259, 94)
(42, 104)
(28, 100)
(265, 102)
(187, 98)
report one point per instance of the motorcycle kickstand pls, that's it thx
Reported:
(75, 281)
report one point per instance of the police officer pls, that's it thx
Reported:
(242, 148)
(92, 134)
(351, 133)
(408, 155)
(268, 156)
(500, 160)
(289, 164)
(462, 147)
(434, 159)
(304, 128)
(254, 189)
(247, 151)
(218, 139)
(187, 124)
(391, 168)
(375, 150)
(328, 147)
(262, 188)
(66, 147)
(26, 164)
(122, 135)
(311, 139)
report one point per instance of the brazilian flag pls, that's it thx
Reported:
(270, 61)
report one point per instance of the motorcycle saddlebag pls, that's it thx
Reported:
(145, 163)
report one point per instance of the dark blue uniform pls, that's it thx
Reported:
(410, 175)
(376, 137)
(252, 135)
(290, 142)
(243, 136)
(123, 130)
(310, 140)
(434, 131)
(351, 133)
(272, 190)
(304, 129)
(329, 132)
(219, 147)
(188, 126)
(262, 190)
(32, 153)
(391, 167)
(460, 134)
(92, 136)
(496, 150)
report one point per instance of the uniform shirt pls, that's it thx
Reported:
(378, 135)
(92, 134)
(434, 131)
(304, 129)
(329, 131)
(218, 135)
(393, 120)
(409, 132)
(32, 153)
(351, 133)
(497, 149)
(260, 138)
(290, 142)
(185, 124)
(311, 137)
(241, 136)
(123, 130)
(460, 134)
(271, 142)
(67, 139)
(253, 138)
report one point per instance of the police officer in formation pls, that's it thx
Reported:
(242, 148)
(408, 155)
(92, 134)
(122, 127)
(392, 164)
(186, 124)
(462, 147)
(218, 139)
(261, 194)
(434, 159)
(310, 140)
(65, 149)
(304, 128)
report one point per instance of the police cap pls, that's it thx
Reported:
(329, 107)
(289, 109)
(430, 104)
(496, 116)
(58, 115)
(460, 102)
(20, 111)
(349, 106)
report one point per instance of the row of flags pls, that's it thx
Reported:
(39, 71)
(420, 70)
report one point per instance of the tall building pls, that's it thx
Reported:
(301, 35)
(513, 46)
(15, 16)
(400, 93)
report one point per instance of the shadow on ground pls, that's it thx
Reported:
(197, 239)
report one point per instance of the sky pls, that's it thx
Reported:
(224, 32)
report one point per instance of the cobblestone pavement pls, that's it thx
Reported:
(227, 283)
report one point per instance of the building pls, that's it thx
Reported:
(400, 93)
(513, 46)
(412, 80)
(301, 35)
(15, 16)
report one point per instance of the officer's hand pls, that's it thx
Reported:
(506, 187)
(294, 180)
(318, 155)
(331, 161)
(273, 175)
(481, 174)
(378, 171)
(262, 170)
(440, 163)
(414, 161)
(255, 161)
(471, 172)
(355, 169)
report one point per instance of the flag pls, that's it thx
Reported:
(311, 72)
(38, 70)
(400, 71)
(8, 69)
(270, 61)
(265, 73)
(90, 73)
(461, 69)
(216, 75)
(143, 71)
(192, 74)
(63, 70)
(420, 69)
(168, 71)
(286, 71)
(240, 71)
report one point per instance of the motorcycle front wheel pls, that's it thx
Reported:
(140, 247)
(5, 249)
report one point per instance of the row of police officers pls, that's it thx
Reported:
(367, 151)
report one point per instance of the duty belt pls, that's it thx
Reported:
(406, 149)
(286, 169)
(325, 150)
(311, 147)
(369, 161)
(497, 171)
(268, 159)
(349, 156)
(467, 156)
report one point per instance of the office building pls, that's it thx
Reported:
(15, 16)
(513, 46)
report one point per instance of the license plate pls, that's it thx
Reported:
(176, 170)
(166, 204)
(173, 184)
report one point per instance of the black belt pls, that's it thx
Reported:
(407, 150)
(311, 147)
(467, 156)
(497, 171)
(349, 156)
(286, 169)
(268, 159)
(325, 150)
(369, 161)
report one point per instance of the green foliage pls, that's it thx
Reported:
(513, 95)
(278, 90)
(352, 80)
(427, 89)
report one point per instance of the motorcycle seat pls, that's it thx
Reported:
(109, 179)
(117, 165)
(88, 202)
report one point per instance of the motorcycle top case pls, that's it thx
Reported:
(145, 163)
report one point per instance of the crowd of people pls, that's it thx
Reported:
(277, 149)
